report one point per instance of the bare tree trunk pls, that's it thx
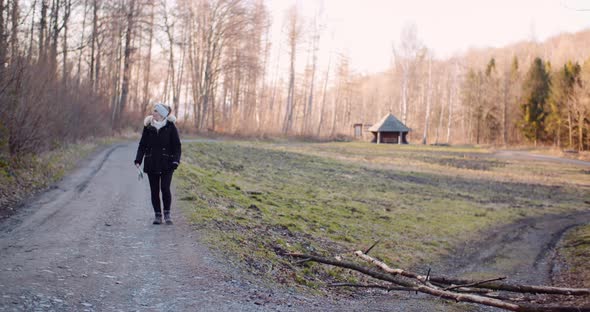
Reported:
(468, 129)
(32, 32)
(455, 89)
(580, 130)
(559, 135)
(341, 94)
(54, 36)
(450, 117)
(428, 102)
(3, 44)
(187, 107)
(212, 98)
(216, 30)
(294, 34)
(263, 91)
(442, 112)
(225, 109)
(236, 102)
(82, 32)
(114, 71)
(180, 78)
(97, 65)
(335, 110)
(170, 37)
(477, 123)
(308, 111)
(479, 114)
(275, 113)
(14, 36)
(570, 129)
(135, 82)
(193, 70)
(126, 65)
(147, 72)
(94, 40)
(404, 97)
(349, 93)
(324, 92)
(505, 109)
(67, 11)
(196, 62)
(42, 29)
(205, 107)
(287, 123)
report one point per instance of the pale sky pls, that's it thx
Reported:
(366, 29)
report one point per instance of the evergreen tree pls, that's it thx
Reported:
(560, 98)
(491, 67)
(510, 97)
(472, 100)
(491, 100)
(580, 110)
(535, 93)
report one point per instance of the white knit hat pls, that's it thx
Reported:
(162, 110)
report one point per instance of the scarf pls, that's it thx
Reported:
(158, 124)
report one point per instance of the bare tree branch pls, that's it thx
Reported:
(390, 275)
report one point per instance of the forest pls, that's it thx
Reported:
(74, 69)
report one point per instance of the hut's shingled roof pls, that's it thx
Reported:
(389, 124)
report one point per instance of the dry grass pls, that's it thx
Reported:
(468, 162)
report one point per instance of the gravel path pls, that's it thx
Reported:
(88, 245)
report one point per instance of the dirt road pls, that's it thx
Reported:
(523, 251)
(88, 245)
(536, 157)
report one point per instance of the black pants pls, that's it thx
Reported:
(161, 182)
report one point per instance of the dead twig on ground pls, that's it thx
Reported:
(476, 283)
(372, 246)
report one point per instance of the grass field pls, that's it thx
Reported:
(254, 201)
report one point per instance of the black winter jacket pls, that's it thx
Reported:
(159, 149)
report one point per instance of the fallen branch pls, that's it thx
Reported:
(383, 266)
(489, 284)
(475, 283)
(516, 288)
(427, 288)
(384, 287)
(353, 266)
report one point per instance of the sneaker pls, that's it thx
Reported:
(167, 218)
(157, 219)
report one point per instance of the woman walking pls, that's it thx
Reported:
(159, 148)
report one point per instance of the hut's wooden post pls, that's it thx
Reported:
(378, 137)
(401, 137)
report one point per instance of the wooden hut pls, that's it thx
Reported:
(389, 130)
